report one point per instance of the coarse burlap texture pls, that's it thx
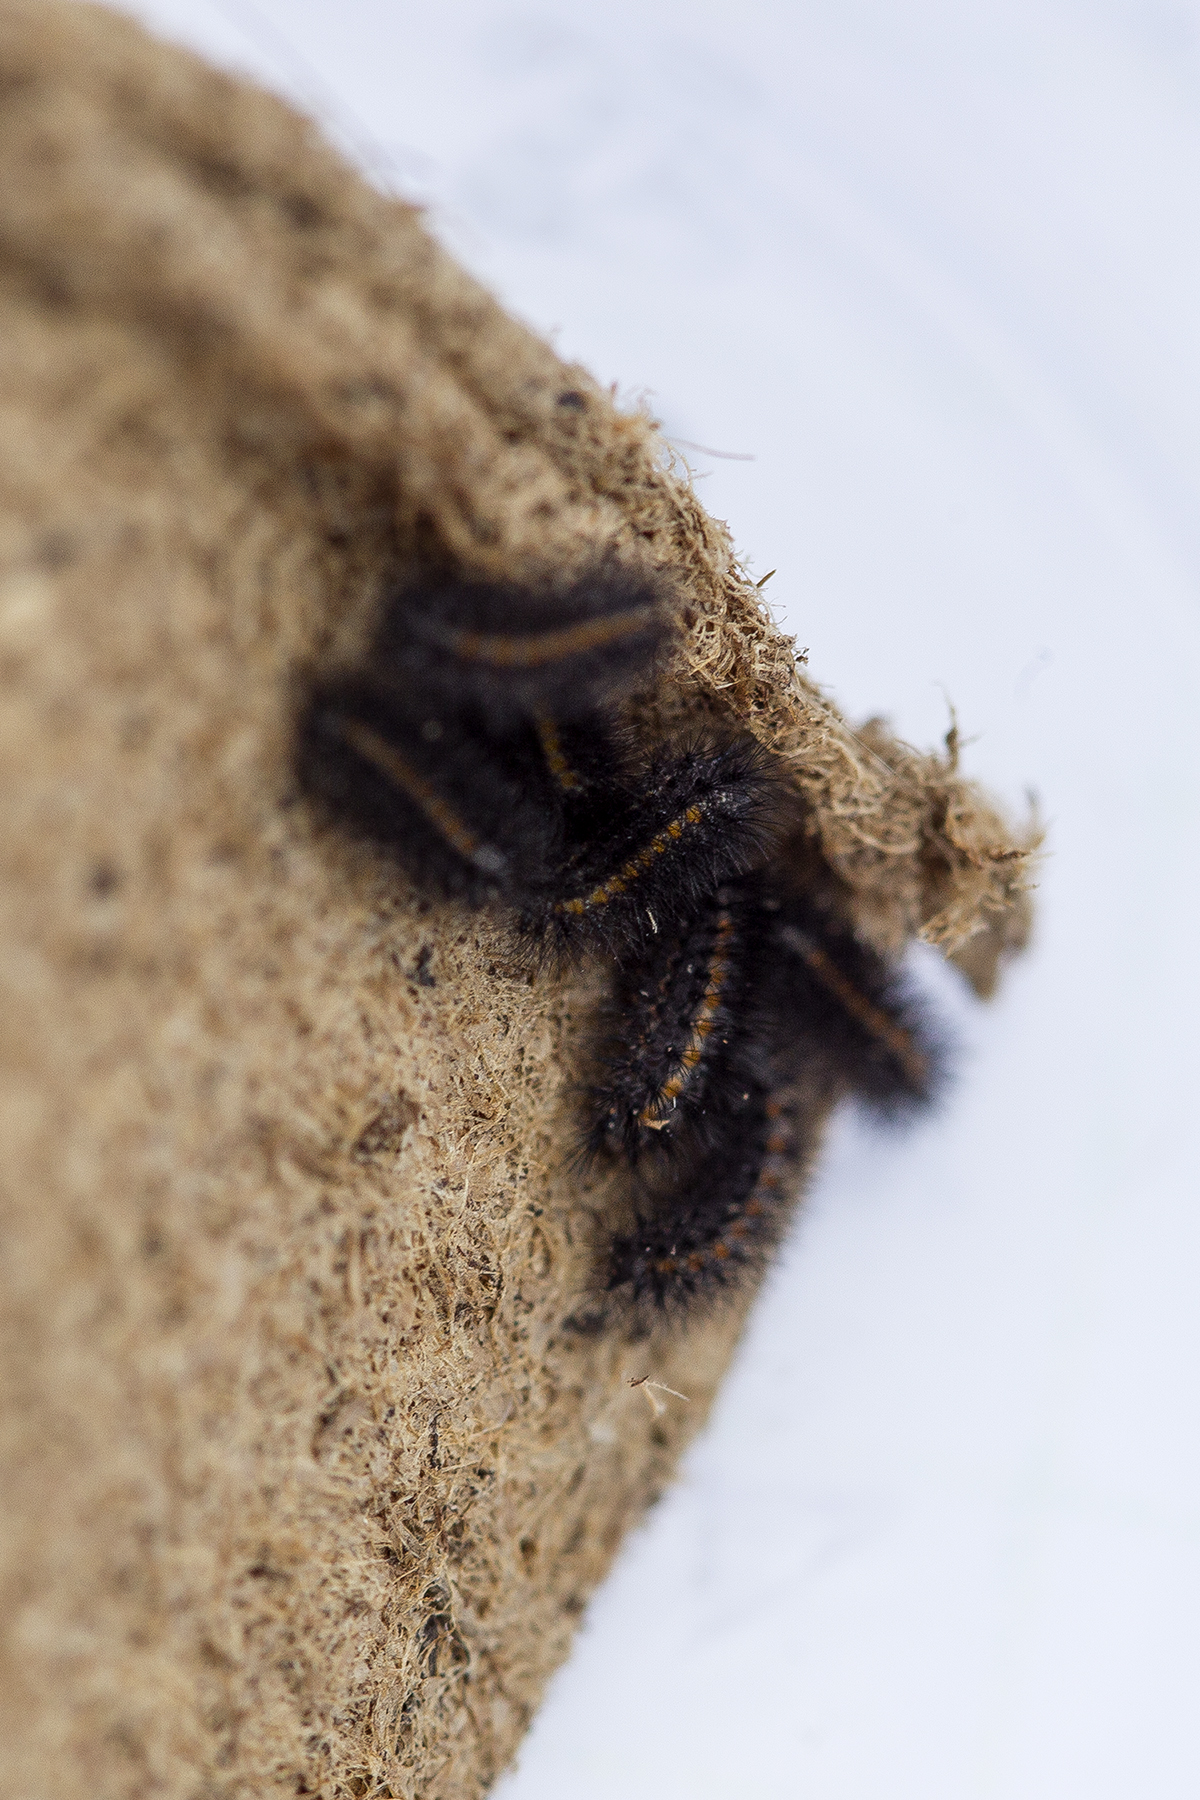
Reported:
(305, 1485)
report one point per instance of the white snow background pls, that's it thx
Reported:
(935, 268)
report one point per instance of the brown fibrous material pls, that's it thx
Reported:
(306, 1484)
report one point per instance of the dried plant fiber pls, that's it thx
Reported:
(304, 1485)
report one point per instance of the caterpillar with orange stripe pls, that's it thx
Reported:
(456, 745)
(756, 976)
(715, 1224)
(482, 743)
(839, 1005)
(724, 1052)
(674, 1035)
(517, 652)
(465, 813)
(480, 746)
(649, 844)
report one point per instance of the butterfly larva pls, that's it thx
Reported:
(838, 1000)
(717, 1219)
(516, 651)
(483, 744)
(455, 805)
(645, 851)
(674, 1028)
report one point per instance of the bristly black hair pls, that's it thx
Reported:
(678, 1040)
(484, 745)
(518, 652)
(466, 812)
(646, 851)
(726, 1041)
(715, 1219)
(753, 988)
(837, 1002)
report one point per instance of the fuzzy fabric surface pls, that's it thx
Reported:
(305, 1485)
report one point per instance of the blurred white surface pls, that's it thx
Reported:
(936, 268)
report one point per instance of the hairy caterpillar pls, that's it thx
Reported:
(483, 744)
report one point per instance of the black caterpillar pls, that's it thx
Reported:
(483, 744)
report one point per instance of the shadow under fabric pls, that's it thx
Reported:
(305, 1485)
